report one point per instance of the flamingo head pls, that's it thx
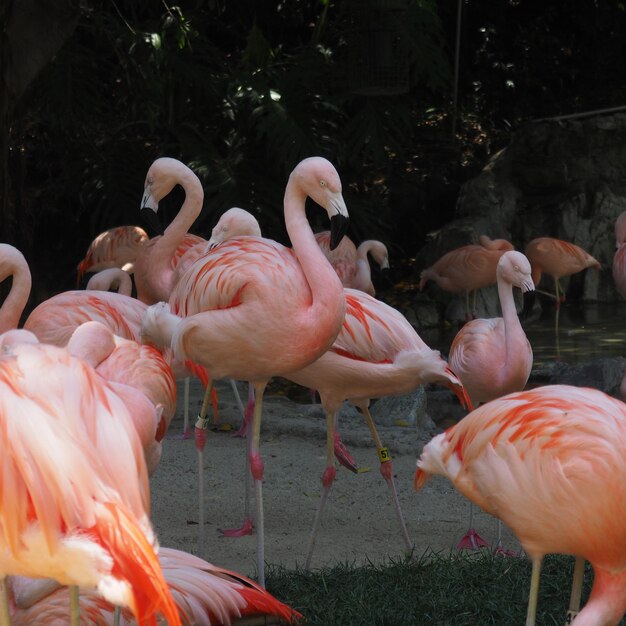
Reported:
(515, 268)
(318, 179)
(235, 222)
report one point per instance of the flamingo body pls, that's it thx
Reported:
(75, 498)
(549, 463)
(116, 247)
(492, 357)
(206, 595)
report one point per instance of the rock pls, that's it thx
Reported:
(407, 410)
(605, 374)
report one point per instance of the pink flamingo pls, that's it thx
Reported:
(351, 263)
(492, 357)
(111, 279)
(204, 594)
(116, 247)
(377, 353)
(154, 268)
(75, 500)
(550, 463)
(139, 374)
(251, 308)
(558, 258)
(467, 269)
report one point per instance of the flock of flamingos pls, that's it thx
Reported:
(88, 391)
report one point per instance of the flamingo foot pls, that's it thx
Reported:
(184, 435)
(343, 455)
(502, 551)
(471, 541)
(246, 529)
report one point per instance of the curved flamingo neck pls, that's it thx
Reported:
(14, 304)
(326, 288)
(512, 326)
(165, 246)
(363, 275)
(607, 602)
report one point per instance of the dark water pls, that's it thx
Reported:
(586, 331)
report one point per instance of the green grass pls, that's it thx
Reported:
(457, 589)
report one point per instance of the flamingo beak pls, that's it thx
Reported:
(338, 228)
(459, 391)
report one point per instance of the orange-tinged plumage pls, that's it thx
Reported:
(557, 257)
(75, 502)
(116, 247)
(55, 319)
(550, 463)
(206, 595)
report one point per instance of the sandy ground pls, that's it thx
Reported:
(359, 523)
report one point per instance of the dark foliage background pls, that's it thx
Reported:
(242, 91)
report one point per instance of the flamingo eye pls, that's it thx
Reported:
(322, 183)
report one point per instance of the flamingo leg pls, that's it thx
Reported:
(327, 481)
(577, 589)
(74, 606)
(186, 409)
(247, 413)
(386, 469)
(342, 454)
(116, 616)
(202, 422)
(5, 617)
(256, 467)
(533, 594)
(471, 540)
(233, 385)
(474, 304)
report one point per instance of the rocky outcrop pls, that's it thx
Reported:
(564, 179)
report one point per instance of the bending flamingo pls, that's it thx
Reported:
(549, 462)
(377, 353)
(75, 501)
(467, 269)
(139, 374)
(493, 357)
(251, 309)
(351, 263)
(116, 247)
(206, 595)
(558, 258)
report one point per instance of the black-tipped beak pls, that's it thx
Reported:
(151, 219)
(338, 228)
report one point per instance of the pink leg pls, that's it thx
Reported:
(247, 414)
(386, 470)
(327, 481)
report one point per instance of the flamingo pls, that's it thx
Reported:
(377, 353)
(75, 500)
(139, 374)
(251, 309)
(205, 595)
(619, 259)
(351, 263)
(154, 268)
(467, 269)
(550, 463)
(116, 247)
(558, 258)
(111, 279)
(493, 357)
